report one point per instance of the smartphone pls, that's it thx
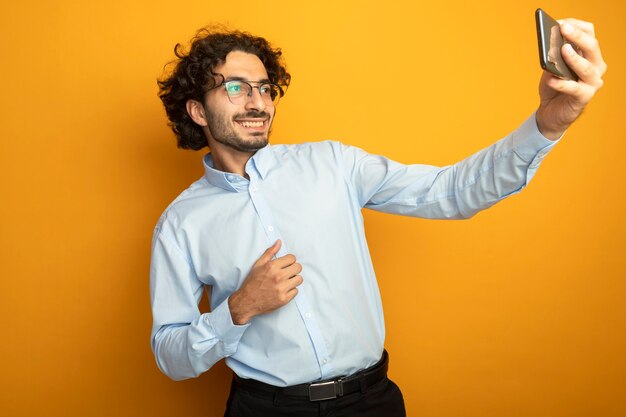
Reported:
(550, 43)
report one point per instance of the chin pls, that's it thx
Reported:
(250, 146)
(260, 141)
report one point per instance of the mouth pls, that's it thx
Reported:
(254, 125)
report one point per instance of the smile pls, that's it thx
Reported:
(246, 123)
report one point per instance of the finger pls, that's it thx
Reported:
(294, 282)
(291, 294)
(291, 271)
(270, 252)
(284, 261)
(585, 70)
(581, 91)
(586, 42)
(297, 280)
(287, 293)
(586, 27)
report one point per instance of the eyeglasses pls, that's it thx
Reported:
(240, 91)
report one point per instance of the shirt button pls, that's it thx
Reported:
(324, 361)
(254, 188)
(270, 228)
(307, 315)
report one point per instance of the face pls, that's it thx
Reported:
(243, 127)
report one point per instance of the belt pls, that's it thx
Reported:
(323, 390)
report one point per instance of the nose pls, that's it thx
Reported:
(255, 101)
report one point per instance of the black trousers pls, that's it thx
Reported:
(383, 399)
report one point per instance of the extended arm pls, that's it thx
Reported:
(476, 183)
(453, 192)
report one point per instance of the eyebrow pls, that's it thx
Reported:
(235, 78)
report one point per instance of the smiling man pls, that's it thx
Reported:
(276, 232)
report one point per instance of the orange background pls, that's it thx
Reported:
(517, 312)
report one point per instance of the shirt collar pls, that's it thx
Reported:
(262, 161)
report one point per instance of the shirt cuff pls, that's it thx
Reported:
(529, 144)
(225, 330)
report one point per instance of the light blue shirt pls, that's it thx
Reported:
(310, 196)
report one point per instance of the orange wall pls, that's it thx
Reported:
(517, 312)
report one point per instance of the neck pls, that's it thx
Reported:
(227, 159)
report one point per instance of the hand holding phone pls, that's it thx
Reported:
(563, 100)
(550, 43)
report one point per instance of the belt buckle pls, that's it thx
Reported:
(326, 390)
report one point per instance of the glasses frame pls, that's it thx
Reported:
(274, 102)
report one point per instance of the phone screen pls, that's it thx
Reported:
(550, 43)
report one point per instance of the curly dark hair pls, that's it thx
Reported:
(192, 76)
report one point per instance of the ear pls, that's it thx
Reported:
(195, 110)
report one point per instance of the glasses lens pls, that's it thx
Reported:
(237, 91)
(270, 93)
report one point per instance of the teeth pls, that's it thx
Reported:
(251, 124)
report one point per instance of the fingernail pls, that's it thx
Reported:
(567, 28)
(568, 49)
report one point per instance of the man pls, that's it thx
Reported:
(276, 233)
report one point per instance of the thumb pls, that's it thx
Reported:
(270, 252)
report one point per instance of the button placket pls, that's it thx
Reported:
(301, 300)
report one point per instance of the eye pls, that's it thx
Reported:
(270, 90)
(234, 88)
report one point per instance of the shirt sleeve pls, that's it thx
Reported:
(185, 343)
(457, 191)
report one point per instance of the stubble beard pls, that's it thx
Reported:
(224, 133)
